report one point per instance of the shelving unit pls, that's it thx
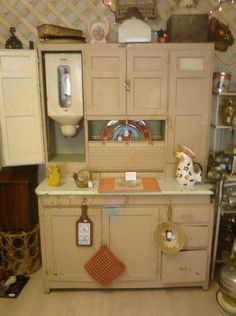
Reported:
(222, 139)
(218, 129)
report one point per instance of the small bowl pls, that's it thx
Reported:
(82, 178)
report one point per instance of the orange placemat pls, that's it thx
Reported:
(119, 185)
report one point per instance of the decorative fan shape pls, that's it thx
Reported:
(126, 130)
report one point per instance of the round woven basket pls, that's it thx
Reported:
(170, 237)
(20, 250)
(176, 239)
(82, 178)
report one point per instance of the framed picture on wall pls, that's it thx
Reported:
(148, 8)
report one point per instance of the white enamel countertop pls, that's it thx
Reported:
(168, 186)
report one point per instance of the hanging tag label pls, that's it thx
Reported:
(90, 184)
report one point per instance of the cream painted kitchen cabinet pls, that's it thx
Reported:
(169, 83)
(127, 224)
(127, 231)
(122, 81)
(190, 85)
(151, 81)
(20, 113)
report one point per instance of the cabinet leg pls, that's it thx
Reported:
(205, 287)
(46, 290)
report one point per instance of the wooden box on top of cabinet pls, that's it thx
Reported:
(17, 198)
(188, 28)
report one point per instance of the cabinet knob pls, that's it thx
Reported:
(187, 217)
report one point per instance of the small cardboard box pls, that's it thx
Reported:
(188, 28)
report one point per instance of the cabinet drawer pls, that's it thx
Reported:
(196, 237)
(184, 267)
(76, 200)
(190, 214)
(51, 201)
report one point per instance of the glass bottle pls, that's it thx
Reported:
(228, 113)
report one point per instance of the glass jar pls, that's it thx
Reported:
(228, 113)
(221, 82)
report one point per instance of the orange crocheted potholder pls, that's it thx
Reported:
(104, 266)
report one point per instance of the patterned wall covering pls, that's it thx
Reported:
(26, 15)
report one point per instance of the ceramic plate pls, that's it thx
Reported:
(126, 131)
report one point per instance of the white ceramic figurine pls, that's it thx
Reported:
(186, 173)
(98, 30)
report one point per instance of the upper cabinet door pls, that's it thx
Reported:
(147, 72)
(126, 81)
(20, 116)
(104, 82)
(189, 101)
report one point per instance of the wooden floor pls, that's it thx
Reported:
(159, 302)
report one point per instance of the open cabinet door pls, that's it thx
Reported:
(20, 114)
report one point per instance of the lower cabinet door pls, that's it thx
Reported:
(184, 267)
(64, 259)
(129, 233)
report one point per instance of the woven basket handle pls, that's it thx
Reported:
(169, 213)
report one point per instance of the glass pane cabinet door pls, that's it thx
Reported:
(127, 130)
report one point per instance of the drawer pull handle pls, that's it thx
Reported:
(183, 268)
(187, 217)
